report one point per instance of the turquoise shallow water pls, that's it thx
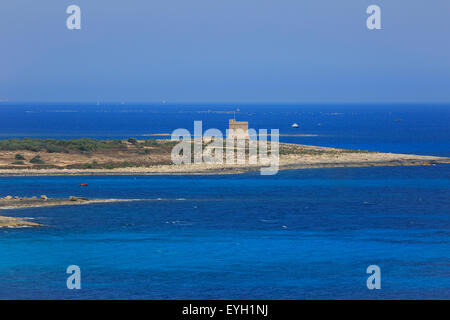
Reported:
(300, 234)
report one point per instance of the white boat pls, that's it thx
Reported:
(295, 125)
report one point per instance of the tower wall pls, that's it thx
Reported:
(240, 128)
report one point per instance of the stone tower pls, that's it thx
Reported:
(238, 129)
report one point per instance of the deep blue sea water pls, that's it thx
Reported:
(421, 129)
(301, 234)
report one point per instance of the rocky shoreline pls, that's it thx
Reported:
(9, 222)
(10, 202)
(293, 163)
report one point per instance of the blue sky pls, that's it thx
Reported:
(225, 51)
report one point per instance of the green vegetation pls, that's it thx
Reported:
(287, 150)
(37, 160)
(18, 156)
(150, 143)
(161, 145)
(19, 162)
(83, 145)
(111, 165)
(144, 152)
(66, 146)
(132, 140)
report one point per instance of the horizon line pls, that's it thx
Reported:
(231, 104)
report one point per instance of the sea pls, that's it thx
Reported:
(299, 234)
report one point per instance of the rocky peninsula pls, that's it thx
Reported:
(10, 202)
(33, 157)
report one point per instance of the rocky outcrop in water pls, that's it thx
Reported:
(16, 202)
